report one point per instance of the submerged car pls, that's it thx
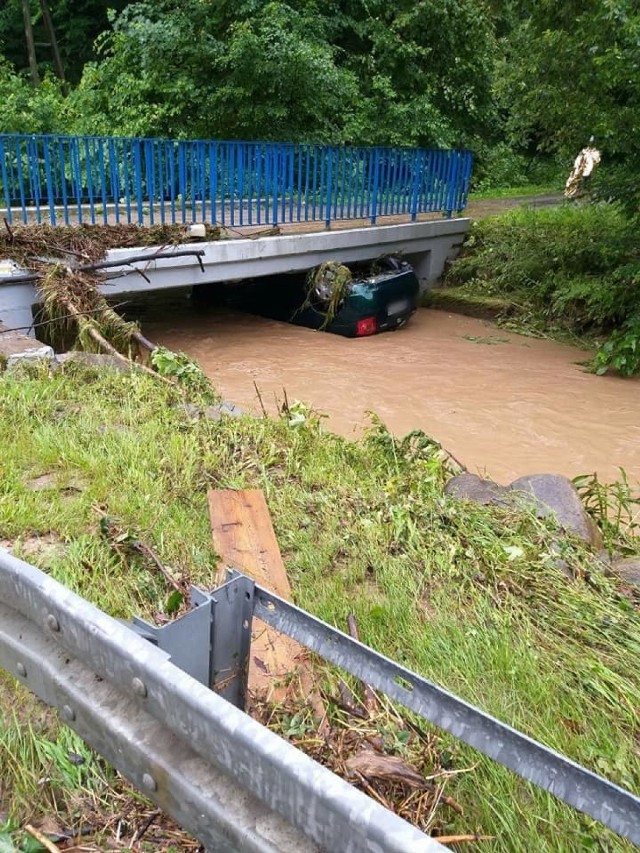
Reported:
(353, 300)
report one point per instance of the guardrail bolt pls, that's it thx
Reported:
(67, 713)
(52, 623)
(21, 670)
(139, 688)
(149, 783)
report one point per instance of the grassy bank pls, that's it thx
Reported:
(570, 270)
(519, 191)
(467, 595)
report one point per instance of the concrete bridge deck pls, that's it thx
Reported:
(426, 244)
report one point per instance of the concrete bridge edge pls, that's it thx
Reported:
(426, 245)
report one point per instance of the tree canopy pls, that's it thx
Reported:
(511, 79)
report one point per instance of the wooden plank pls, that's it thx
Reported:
(244, 539)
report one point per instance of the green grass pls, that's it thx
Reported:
(364, 529)
(460, 301)
(525, 190)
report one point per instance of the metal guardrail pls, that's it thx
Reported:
(118, 179)
(219, 773)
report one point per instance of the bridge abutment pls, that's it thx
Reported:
(16, 301)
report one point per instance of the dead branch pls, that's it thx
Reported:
(457, 839)
(104, 344)
(144, 826)
(42, 840)
(264, 411)
(147, 551)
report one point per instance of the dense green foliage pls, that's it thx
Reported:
(524, 84)
(77, 24)
(400, 73)
(378, 73)
(570, 72)
(24, 109)
(574, 268)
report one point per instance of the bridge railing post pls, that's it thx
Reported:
(373, 203)
(328, 189)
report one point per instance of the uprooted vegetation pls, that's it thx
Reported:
(327, 286)
(66, 263)
(470, 596)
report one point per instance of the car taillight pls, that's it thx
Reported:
(367, 326)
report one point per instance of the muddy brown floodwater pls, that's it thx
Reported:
(503, 404)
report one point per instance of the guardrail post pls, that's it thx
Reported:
(187, 748)
(211, 642)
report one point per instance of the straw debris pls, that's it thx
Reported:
(385, 754)
(327, 286)
(72, 300)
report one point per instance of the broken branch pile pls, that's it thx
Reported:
(63, 260)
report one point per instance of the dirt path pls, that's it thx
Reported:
(496, 206)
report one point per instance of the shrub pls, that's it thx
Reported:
(572, 267)
(498, 166)
(577, 266)
(621, 351)
(25, 109)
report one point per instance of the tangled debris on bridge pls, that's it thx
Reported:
(65, 261)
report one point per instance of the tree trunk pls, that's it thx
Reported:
(31, 48)
(57, 61)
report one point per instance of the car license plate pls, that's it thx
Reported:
(397, 307)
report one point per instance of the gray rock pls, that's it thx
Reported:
(91, 359)
(628, 569)
(229, 409)
(38, 353)
(553, 493)
(192, 410)
(548, 493)
(17, 349)
(470, 487)
(213, 413)
(556, 550)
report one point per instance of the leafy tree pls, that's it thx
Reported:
(424, 68)
(356, 71)
(278, 79)
(168, 70)
(25, 109)
(77, 24)
(570, 72)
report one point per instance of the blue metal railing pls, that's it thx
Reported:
(76, 179)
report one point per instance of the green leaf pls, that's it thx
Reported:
(6, 844)
(174, 602)
(30, 845)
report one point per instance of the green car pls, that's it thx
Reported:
(354, 300)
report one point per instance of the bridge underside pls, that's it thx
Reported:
(426, 245)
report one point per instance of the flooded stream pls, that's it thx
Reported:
(503, 404)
